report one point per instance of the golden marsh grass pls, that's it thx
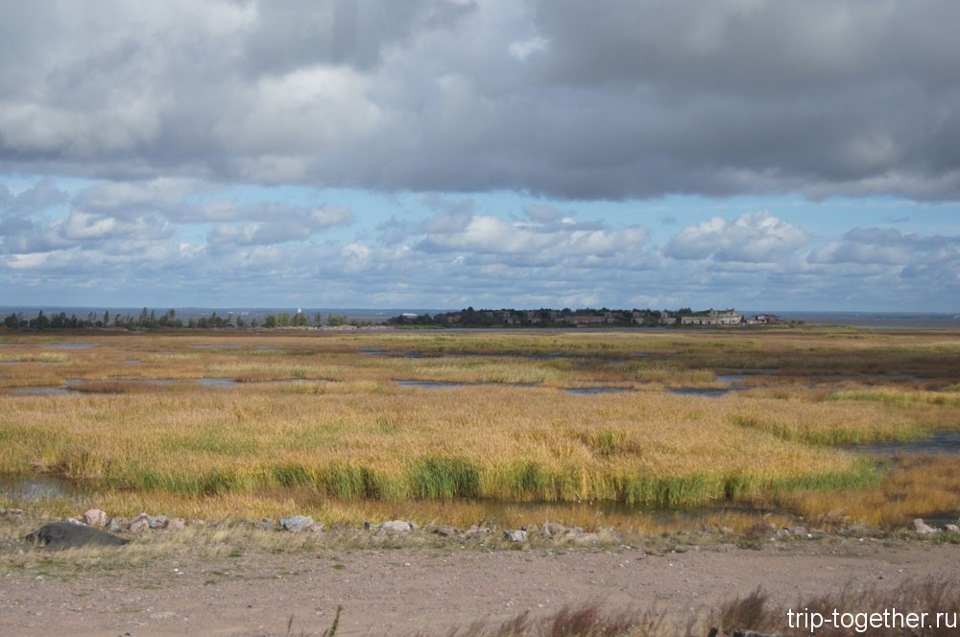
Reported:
(317, 422)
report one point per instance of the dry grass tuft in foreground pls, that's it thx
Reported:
(935, 603)
(589, 620)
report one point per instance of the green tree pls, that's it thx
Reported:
(42, 322)
(300, 320)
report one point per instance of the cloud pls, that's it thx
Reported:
(756, 237)
(524, 49)
(534, 241)
(163, 194)
(38, 197)
(607, 99)
(276, 224)
(246, 143)
(888, 246)
(85, 227)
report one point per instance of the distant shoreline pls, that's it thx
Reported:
(376, 316)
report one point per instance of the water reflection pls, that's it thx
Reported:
(432, 384)
(37, 488)
(943, 442)
(72, 345)
(593, 391)
(710, 392)
(42, 391)
(217, 382)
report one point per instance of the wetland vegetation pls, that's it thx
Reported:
(609, 428)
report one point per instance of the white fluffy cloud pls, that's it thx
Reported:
(756, 237)
(534, 241)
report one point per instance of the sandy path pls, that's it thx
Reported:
(402, 590)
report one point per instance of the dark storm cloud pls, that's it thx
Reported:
(298, 33)
(605, 99)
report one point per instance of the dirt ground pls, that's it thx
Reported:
(404, 590)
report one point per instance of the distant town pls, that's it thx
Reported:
(148, 319)
(470, 318)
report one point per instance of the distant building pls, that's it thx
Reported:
(713, 317)
(588, 320)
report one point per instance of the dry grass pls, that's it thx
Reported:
(586, 620)
(504, 443)
(319, 425)
(854, 606)
(915, 486)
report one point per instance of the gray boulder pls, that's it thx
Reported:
(553, 529)
(296, 523)
(67, 535)
(393, 527)
(922, 528)
(515, 535)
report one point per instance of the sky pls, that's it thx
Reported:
(765, 155)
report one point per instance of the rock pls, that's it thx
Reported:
(140, 523)
(586, 538)
(265, 524)
(116, 524)
(952, 528)
(553, 529)
(67, 535)
(395, 526)
(476, 531)
(176, 524)
(442, 530)
(11, 513)
(922, 528)
(515, 535)
(158, 521)
(94, 517)
(296, 523)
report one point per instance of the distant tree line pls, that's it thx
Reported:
(149, 320)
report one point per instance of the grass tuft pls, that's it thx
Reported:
(443, 478)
